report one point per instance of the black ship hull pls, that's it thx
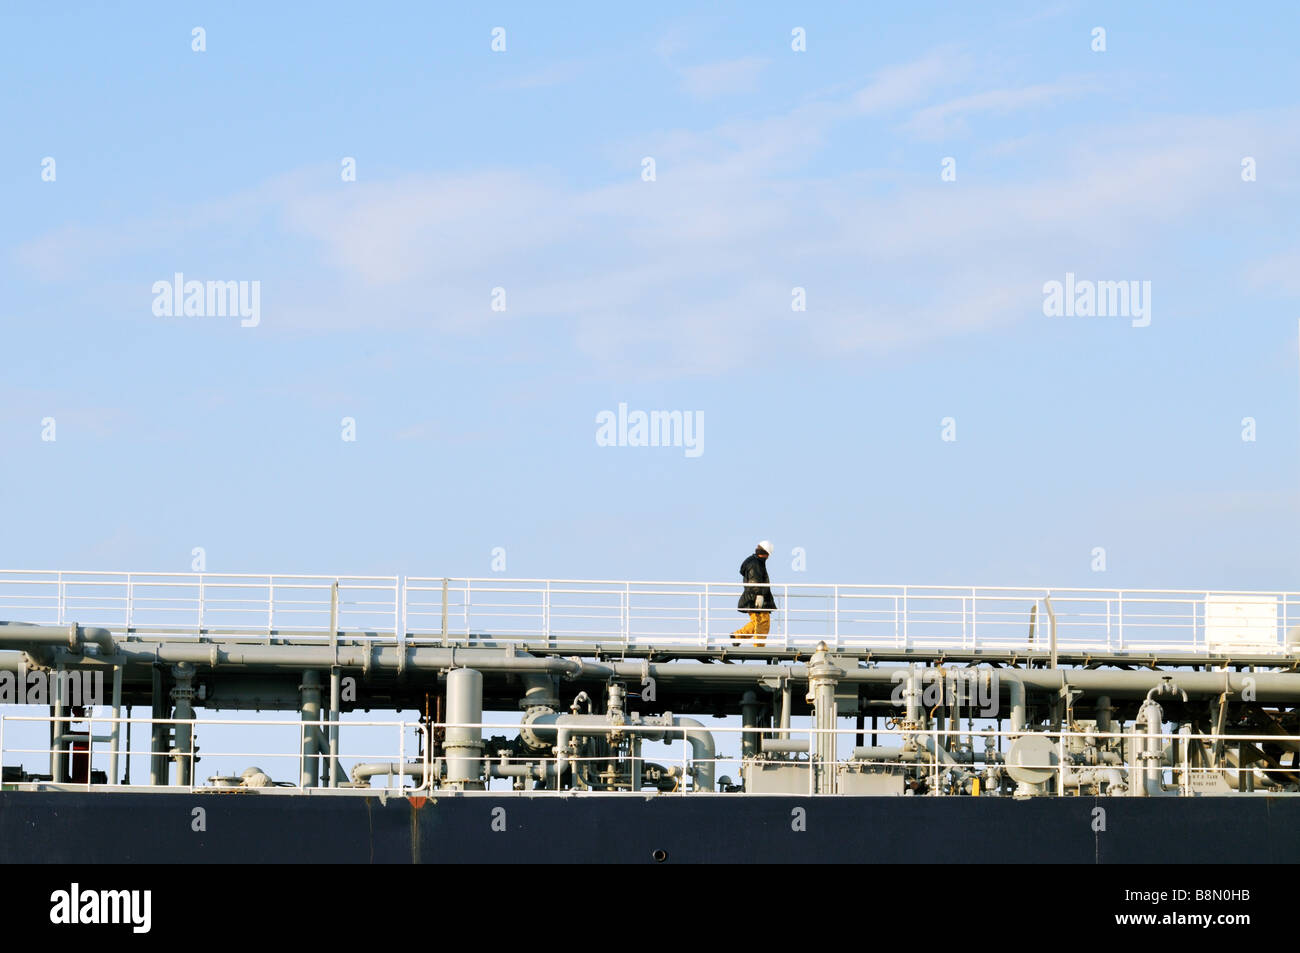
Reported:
(129, 827)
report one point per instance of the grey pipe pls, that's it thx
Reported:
(823, 676)
(749, 708)
(912, 695)
(1103, 713)
(653, 728)
(1268, 686)
(785, 745)
(182, 699)
(71, 636)
(335, 704)
(1019, 712)
(310, 689)
(1137, 748)
(464, 745)
(158, 773)
(702, 751)
(57, 728)
(364, 772)
(539, 691)
(1077, 777)
(880, 753)
(116, 734)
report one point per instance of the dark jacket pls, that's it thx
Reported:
(754, 570)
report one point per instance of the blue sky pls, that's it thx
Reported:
(775, 169)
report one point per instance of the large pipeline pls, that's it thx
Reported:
(1266, 686)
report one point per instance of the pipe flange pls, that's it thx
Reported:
(526, 733)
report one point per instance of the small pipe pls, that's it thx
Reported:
(364, 772)
(117, 725)
(57, 727)
(1019, 712)
(879, 753)
(158, 772)
(335, 703)
(309, 776)
(749, 707)
(182, 697)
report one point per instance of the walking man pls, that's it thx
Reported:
(756, 598)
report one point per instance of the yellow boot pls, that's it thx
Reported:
(747, 629)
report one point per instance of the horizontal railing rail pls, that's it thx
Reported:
(91, 749)
(559, 613)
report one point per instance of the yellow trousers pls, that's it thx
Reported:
(759, 624)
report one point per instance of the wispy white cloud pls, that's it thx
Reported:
(727, 78)
(1277, 273)
(555, 75)
(897, 86)
(693, 273)
(945, 119)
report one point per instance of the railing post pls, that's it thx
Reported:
(905, 638)
(444, 608)
(1187, 780)
(974, 619)
(1060, 760)
(1206, 603)
(685, 748)
(334, 620)
(270, 605)
(61, 596)
(546, 614)
(397, 610)
(785, 616)
(1119, 611)
(836, 610)
(706, 615)
(1285, 602)
(130, 603)
(201, 605)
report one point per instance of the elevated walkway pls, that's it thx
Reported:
(651, 618)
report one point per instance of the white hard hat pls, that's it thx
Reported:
(766, 546)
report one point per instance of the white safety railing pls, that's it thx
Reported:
(219, 752)
(817, 760)
(970, 754)
(560, 613)
(195, 604)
